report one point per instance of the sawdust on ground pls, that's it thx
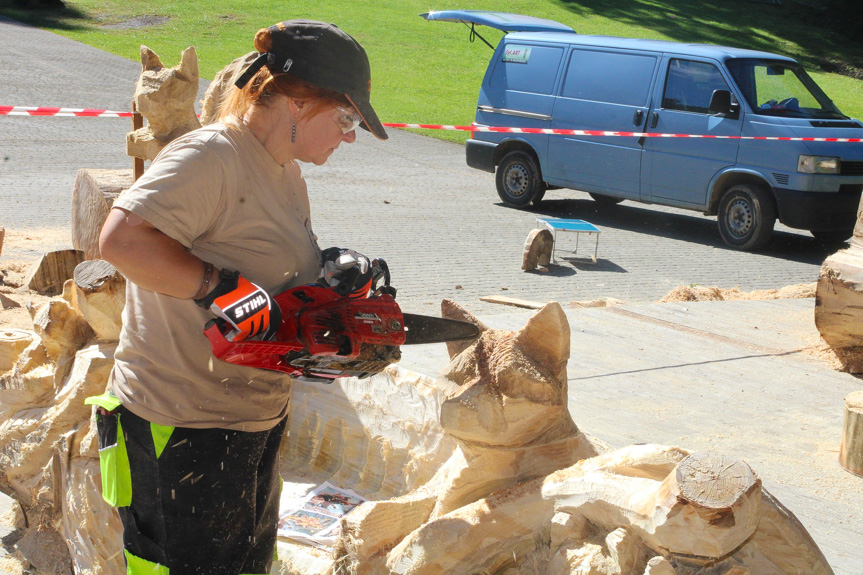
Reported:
(709, 293)
(21, 249)
(817, 349)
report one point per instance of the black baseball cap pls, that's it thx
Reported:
(325, 56)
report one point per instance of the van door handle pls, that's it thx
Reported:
(654, 119)
(638, 117)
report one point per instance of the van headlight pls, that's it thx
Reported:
(818, 165)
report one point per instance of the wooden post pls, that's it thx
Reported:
(137, 124)
(851, 448)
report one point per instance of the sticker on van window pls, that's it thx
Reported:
(517, 54)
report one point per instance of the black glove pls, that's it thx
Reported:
(347, 272)
(248, 309)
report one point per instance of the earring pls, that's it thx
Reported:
(293, 130)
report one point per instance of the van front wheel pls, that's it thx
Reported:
(518, 180)
(746, 217)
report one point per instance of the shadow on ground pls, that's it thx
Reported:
(693, 228)
(47, 14)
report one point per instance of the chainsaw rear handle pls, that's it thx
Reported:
(381, 269)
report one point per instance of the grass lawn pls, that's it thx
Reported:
(429, 72)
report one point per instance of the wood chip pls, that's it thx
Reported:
(512, 301)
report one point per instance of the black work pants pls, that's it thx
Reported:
(204, 501)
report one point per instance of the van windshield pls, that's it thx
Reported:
(781, 88)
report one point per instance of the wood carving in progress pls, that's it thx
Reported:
(526, 492)
(479, 470)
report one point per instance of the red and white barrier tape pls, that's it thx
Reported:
(82, 112)
(559, 132)
(67, 112)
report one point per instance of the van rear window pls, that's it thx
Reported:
(611, 77)
(525, 68)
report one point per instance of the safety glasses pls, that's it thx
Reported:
(347, 119)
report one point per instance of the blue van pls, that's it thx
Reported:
(544, 75)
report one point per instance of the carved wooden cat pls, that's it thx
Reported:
(166, 98)
(508, 413)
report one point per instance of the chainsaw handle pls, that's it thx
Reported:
(381, 269)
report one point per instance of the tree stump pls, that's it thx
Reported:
(839, 301)
(537, 249)
(707, 508)
(851, 448)
(92, 198)
(48, 275)
(100, 297)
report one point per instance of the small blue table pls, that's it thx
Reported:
(578, 226)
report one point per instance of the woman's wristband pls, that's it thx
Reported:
(205, 281)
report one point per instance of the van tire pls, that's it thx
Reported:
(518, 180)
(604, 200)
(746, 217)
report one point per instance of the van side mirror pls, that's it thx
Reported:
(720, 103)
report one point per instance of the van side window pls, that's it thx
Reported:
(531, 69)
(690, 85)
(588, 78)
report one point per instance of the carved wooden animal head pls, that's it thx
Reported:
(166, 96)
(512, 386)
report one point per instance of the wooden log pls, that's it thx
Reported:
(537, 249)
(707, 508)
(28, 446)
(30, 380)
(839, 301)
(12, 343)
(48, 275)
(851, 447)
(62, 328)
(92, 197)
(100, 297)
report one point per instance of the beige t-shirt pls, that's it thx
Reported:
(222, 195)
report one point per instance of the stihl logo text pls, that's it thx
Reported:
(250, 306)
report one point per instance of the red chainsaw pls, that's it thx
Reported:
(325, 333)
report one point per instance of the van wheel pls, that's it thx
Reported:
(518, 180)
(746, 217)
(604, 200)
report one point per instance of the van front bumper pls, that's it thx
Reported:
(480, 155)
(821, 211)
